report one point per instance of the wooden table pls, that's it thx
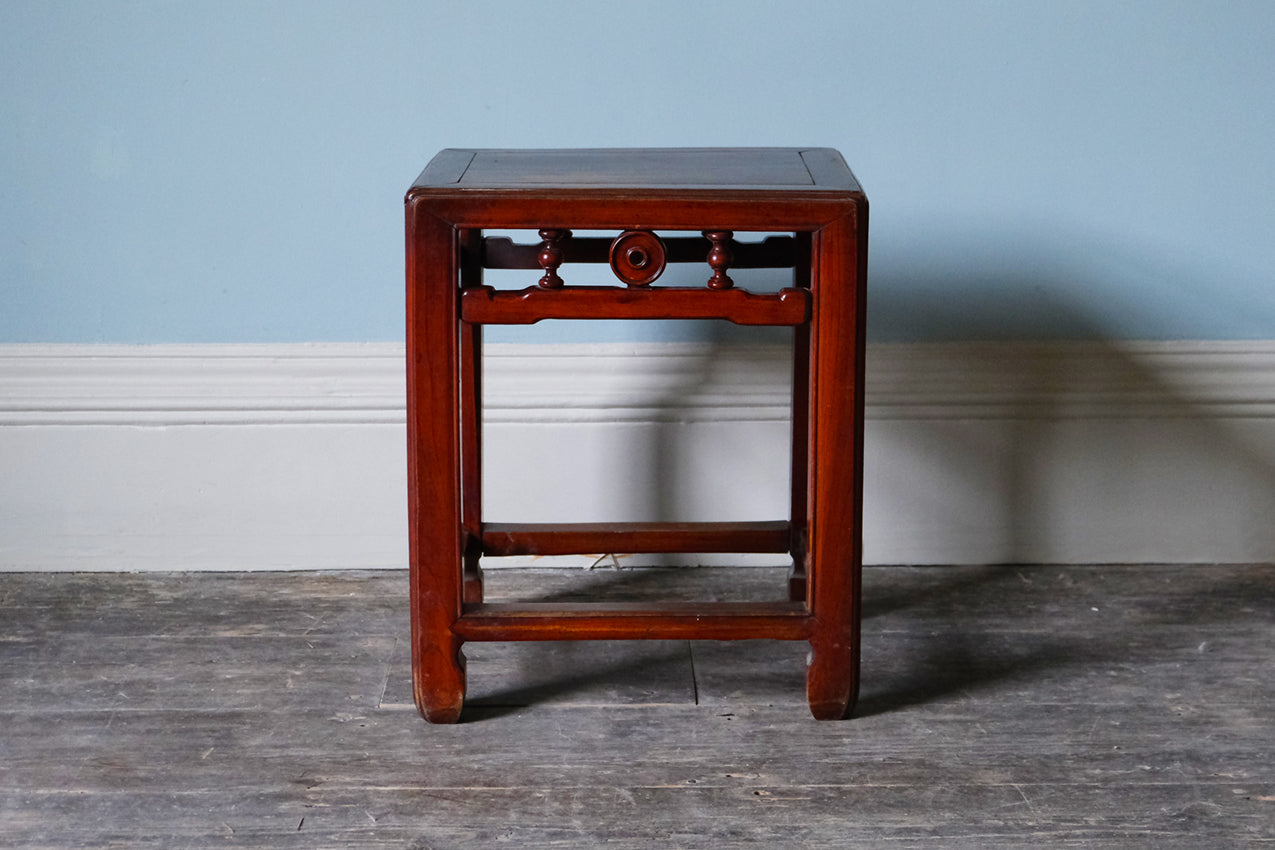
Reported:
(663, 206)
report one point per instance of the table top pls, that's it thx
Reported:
(796, 171)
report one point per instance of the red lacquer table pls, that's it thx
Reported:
(662, 206)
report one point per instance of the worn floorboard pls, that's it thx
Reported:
(1001, 707)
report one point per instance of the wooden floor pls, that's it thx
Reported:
(1001, 707)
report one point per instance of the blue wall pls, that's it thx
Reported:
(233, 171)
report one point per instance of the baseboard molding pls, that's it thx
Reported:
(291, 456)
(314, 384)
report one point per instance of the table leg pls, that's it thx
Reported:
(836, 477)
(433, 453)
(799, 481)
(471, 420)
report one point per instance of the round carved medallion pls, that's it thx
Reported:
(637, 257)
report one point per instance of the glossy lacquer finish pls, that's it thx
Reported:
(661, 206)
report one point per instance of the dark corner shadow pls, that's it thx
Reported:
(583, 673)
(944, 647)
(950, 658)
(931, 623)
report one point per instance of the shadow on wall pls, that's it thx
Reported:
(1090, 451)
(995, 448)
(999, 445)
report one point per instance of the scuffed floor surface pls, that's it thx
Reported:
(1001, 707)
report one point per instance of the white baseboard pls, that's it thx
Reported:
(292, 456)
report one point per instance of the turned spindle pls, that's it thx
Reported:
(551, 257)
(719, 258)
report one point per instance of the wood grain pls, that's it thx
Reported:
(635, 621)
(487, 306)
(773, 252)
(809, 192)
(503, 539)
(1004, 707)
(436, 545)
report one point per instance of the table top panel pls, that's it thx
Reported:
(795, 170)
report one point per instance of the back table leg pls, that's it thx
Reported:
(799, 482)
(471, 419)
(433, 452)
